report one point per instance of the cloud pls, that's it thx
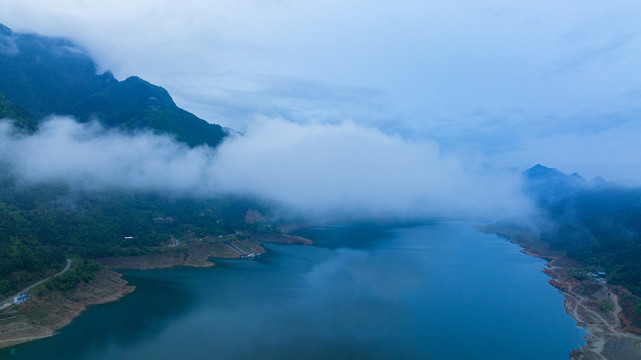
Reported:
(607, 152)
(350, 167)
(312, 169)
(448, 68)
(515, 84)
(88, 156)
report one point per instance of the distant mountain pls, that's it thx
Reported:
(547, 185)
(41, 76)
(596, 222)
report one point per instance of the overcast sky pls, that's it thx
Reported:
(497, 81)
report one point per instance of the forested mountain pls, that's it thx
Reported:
(546, 185)
(597, 222)
(41, 225)
(20, 116)
(41, 76)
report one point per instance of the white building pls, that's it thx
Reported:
(20, 298)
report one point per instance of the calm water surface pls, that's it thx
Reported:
(441, 291)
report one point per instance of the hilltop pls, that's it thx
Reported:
(42, 76)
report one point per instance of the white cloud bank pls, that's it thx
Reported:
(497, 77)
(314, 169)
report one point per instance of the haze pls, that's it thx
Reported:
(314, 170)
(370, 105)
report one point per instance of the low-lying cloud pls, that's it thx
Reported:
(90, 157)
(312, 169)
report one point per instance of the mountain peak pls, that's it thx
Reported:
(598, 182)
(547, 185)
(540, 171)
(49, 75)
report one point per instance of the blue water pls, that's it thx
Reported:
(441, 291)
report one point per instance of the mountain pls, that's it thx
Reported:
(42, 76)
(20, 116)
(135, 103)
(596, 222)
(601, 227)
(547, 185)
(43, 224)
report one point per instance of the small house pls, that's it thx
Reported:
(20, 298)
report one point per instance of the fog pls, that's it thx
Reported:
(313, 169)
(506, 80)
(361, 107)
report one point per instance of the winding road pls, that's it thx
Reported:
(8, 302)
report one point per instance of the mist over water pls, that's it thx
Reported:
(314, 169)
(441, 291)
(349, 110)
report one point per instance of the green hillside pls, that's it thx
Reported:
(135, 104)
(45, 76)
(42, 225)
(20, 116)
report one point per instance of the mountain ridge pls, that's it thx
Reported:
(47, 76)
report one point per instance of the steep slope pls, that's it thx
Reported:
(45, 76)
(43, 224)
(595, 222)
(135, 103)
(546, 185)
(20, 116)
(601, 227)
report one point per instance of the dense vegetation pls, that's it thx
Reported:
(42, 225)
(44, 75)
(21, 118)
(41, 76)
(595, 222)
(81, 271)
(601, 227)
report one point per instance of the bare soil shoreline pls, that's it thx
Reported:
(49, 311)
(610, 334)
(42, 316)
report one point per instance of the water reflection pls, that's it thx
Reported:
(108, 328)
(430, 292)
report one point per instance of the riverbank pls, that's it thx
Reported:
(595, 305)
(50, 310)
(199, 252)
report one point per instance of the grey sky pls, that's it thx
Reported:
(508, 83)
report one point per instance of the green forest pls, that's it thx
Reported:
(41, 226)
(601, 228)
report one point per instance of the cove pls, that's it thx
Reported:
(437, 291)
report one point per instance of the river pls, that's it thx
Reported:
(438, 291)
